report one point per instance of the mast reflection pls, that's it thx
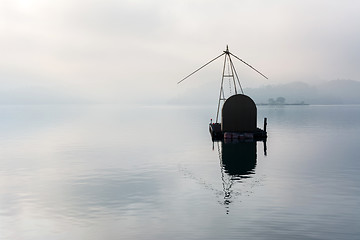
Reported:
(237, 162)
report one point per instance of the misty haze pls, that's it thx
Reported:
(98, 141)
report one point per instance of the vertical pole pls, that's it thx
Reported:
(237, 77)
(265, 123)
(221, 90)
(265, 148)
(217, 113)
(232, 73)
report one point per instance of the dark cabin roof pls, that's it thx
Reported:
(239, 114)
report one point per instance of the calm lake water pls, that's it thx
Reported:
(115, 172)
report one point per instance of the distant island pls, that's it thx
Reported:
(334, 92)
(323, 93)
(280, 101)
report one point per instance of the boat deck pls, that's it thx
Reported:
(218, 135)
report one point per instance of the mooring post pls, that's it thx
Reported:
(265, 148)
(265, 123)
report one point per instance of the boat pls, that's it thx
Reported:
(238, 111)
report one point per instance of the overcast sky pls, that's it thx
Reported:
(121, 50)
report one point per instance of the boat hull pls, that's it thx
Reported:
(218, 135)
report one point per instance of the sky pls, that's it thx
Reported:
(136, 50)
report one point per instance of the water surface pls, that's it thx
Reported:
(115, 172)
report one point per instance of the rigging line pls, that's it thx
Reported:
(230, 86)
(221, 89)
(200, 68)
(232, 73)
(237, 77)
(249, 65)
(228, 74)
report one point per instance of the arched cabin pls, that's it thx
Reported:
(239, 114)
(238, 120)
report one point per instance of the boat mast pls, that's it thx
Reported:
(232, 74)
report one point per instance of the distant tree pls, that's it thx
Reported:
(280, 100)
(271, 101)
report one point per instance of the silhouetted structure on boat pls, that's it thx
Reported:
(238, 120)
(239, 112)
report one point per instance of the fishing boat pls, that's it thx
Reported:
(238, 111)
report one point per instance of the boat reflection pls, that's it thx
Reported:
(238, 162)
(238, 159)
